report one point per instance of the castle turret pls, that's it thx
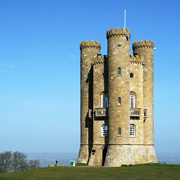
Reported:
(119, 150)
(145, 49)
(89, 51)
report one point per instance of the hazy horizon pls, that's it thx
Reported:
(40, 68)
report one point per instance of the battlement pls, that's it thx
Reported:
(118, 32)
(91, 44)
(136, 59)
(141, 44)
(100, 60)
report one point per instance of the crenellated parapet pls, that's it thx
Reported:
(143, 44)
(118, 32)
(100, 60)
(91, 44)
(137, 60)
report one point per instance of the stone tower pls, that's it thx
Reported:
(89, 51)
(117, 125)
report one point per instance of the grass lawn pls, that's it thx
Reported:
(150, 171)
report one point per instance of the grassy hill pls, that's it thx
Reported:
(139, 172)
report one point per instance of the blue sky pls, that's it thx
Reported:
(40, 67)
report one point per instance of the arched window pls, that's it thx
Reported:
(132, 130)
(119, 71)
(119, 131)
(132, 100)
(104, 100)
(119, 100)
(104, 129)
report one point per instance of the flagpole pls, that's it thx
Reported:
(125, 18)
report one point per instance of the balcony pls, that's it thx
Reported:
(100, 112)
(135, 113)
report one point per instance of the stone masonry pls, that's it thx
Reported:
(117, 116)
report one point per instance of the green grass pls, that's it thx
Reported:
(137, 172)
(81, 164)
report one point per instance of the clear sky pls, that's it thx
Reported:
(40, 67)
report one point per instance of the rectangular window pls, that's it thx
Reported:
(119, 71)
(104, 100)
(104, 130)
(145, 112)
(132, 101)
(119, 131)
(132, 130)
(119, 100)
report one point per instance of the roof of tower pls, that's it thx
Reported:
(91, 44)
(141, 44)
(118, 32)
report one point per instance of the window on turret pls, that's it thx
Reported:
(119, 100)
(131, 75)
(145, 112)
(119, 131)
(132, 100)
(104, 100)
(132, 130)
(119, 71)
(103, 75)
(104, 129)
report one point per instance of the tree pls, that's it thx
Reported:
(16, 161)
(19, 162)
(34, 164)
(5, 161)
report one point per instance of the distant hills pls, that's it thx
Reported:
(64, 158)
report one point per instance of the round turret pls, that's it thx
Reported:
(118, 32)
(141, 44)
(145, 49)
(90, 44)
(89, 51)
(118, 58)
(118, 95)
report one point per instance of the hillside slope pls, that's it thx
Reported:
(147, 172)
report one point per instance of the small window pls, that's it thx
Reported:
(93, 151)
(103, 75)
(131, 75)
(119, 100)
(132, 130)
(104, 129)
(119, 46)
(119, 71)
(104, 100)
(132, 100)
(145, 112)
(119, 131)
